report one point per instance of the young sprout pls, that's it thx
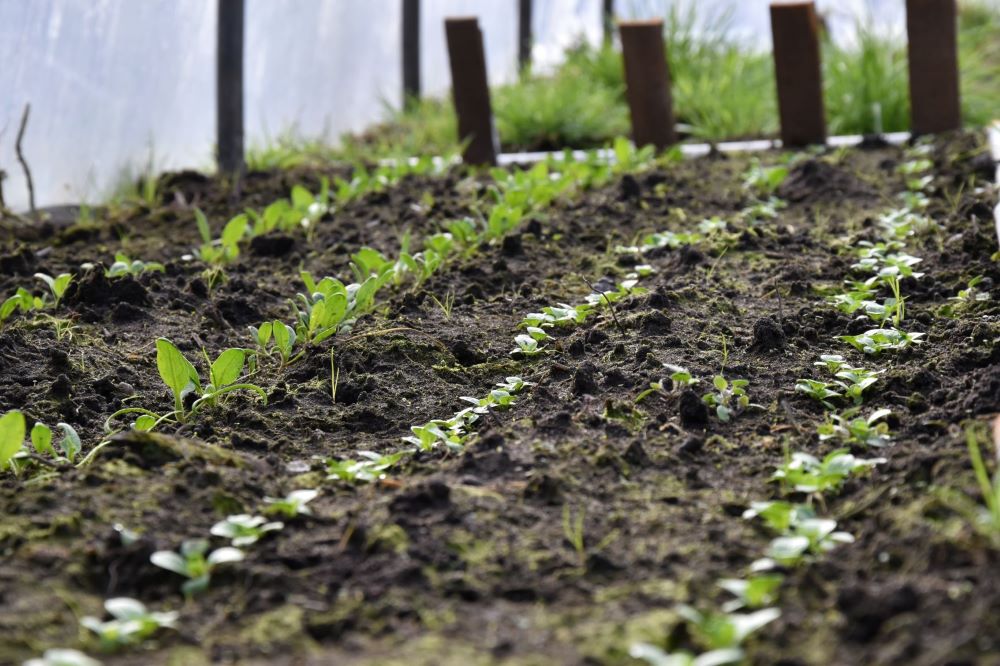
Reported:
(965, 298)
(278, 336)
(244, 529)
(655, 656)
(831, 362)
(192, 563)
(878, 340)
(526, 346)
(62, 657)
(821, 391)
(804, 473)
(69, 444)
(855, 381)
(755, 592)
(779, 515)
(371, 467)
(857, 430)
(718, 631)
(131, 625)
(680, 376)
(293, 504)
(57, 285)
(12, 431)
(125, 266)
(812, 536)
(985, 517)
(762, 180)
(729, 399)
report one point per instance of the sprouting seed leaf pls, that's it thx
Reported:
(175, 370)
(234, 230)
(41, 439)
(227, 367)
(70, 443)
(11, 436)
(203, 228)
(264, 333)
(720, 383)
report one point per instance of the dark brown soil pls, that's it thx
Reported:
(463, 558)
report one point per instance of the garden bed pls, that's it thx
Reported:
(568, 527)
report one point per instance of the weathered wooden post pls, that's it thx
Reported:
(229, 88)
(795, 33)
(470, 90)
(524, 37)
(647, 83)
(931, 28)
(411, 50)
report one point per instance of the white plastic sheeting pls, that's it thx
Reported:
(117, 84)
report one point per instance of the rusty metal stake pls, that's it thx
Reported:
(931, 28)
(470, 90)
(647, 83)
(795, 32)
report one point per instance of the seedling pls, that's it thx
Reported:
(70, 444)
(729, 399)
(371, 467)
(132, 623)
(904, 222)
(181, 377)
(821, 391)
(831, 362)
(680, 376)
(764, 181)
(855, 381)
(965, 298)
(124, 266)
(812, 536)
(224, 249)
(62, 657)
(805, 473)
(878, 340)
(655, 656)
(12, 430)
(725, 630)
(329, 305)
(527, 346)
(192, 563)
(754, 592)
(763, 210)
(713, 225)
(244, 529)
(985, 517)
(293, 504)
(846, 428)
(57, 285)
(276, 336)
(779, 515)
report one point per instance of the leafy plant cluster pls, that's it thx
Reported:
(16, 455)
(24, 300)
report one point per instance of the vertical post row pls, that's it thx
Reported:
(470, 90)
(795, 32)
(608, 20)
(411, 51)
(931, 28)
(647, 83)
(229, 87)
(523, 35)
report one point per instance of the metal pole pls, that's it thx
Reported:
(229, 87)
(608, 19)
(524, 35)
(411, 51)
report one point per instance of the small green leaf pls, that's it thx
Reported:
(227, 367)
(70, 443)
(41, 438)
(234, 230)
(11, 436)
(203, 228)
(175, 370)
(720, 383)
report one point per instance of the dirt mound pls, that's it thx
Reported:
(813, 181)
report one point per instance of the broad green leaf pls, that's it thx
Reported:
(8, 307)
(263, 333)
(171, 561)
(60, 284)
(720, 382)
(175, 370)
(41, 438)
(301, 197)
(203, 228)
(227, 367)
(144, 423)
(234, 230)
(70, 442)
(284, 337)
(11, 436)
